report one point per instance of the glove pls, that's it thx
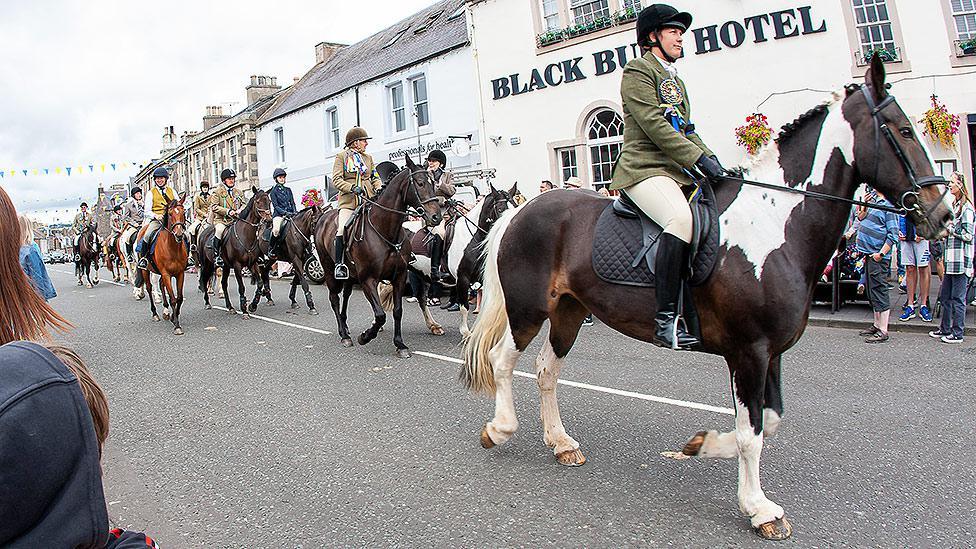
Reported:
(709, 166)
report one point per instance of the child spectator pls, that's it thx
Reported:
(958, 265)
(30, 260)
(913, 251)
(877, 235)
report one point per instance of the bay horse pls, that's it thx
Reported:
(88, 253)
(298, 248)
(463, 257)
(752, 309)
(168, 259)
(242, 248)
(376, 241)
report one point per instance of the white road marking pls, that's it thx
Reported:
(608, 390)
(73, 274)
(276, 321)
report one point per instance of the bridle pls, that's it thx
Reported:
(881, 128)
(416, 191)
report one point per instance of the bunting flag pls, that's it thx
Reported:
(78, 170)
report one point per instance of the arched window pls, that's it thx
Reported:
(604, 138)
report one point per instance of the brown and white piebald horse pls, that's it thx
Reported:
(754, 307)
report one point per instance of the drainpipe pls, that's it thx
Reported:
(357, 105)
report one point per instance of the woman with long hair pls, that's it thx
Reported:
(23, 312)
(958, 264)
(32, 263)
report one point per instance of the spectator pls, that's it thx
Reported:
(23, 312)
(958, 265)
(53, 422)
(914, 256)
(877, 235)
(602, 191)
(32, 263)
(574, 183)
(545, 186)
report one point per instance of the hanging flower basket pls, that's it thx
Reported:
(755, 134)
(940, 125)
(312, 198)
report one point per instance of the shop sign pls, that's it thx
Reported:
(778, 25)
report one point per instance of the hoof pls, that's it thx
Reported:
(246, 316)
(96, 283)
(252, 307)
(90, 286)
(571, 458)
(294, 305)
(693, 446)
(155, 318)
(313, 312)
(403, 353)
(362, 339)
(231, 310)
(178, 331)
(346, 342)
(271, 303)
(165, 315)
(775, 530)
(486, 441)
(437, 330)
(208, 306)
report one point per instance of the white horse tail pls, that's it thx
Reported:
(477, 373)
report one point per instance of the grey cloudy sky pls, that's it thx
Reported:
(95, 82)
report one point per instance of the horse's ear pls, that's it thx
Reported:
(514, 190)
(410, 163)
(876, 78)
(491, 187)
(182, 197)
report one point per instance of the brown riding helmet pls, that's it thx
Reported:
(355, 134)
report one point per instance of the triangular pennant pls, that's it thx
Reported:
(36, 172)
(68, 169)
(103, 167)
(46, 171)
(91, 168)
(57, 171)
(1, 174)
(113, 167)
(25, 172)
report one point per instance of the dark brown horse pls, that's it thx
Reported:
(377, 249)
(168, 259)
(298, 249)
(88, 253)
(242, 249)
(754, 307)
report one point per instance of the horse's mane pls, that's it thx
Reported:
(246, 212)
(787, 131)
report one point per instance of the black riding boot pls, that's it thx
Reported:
(672, 258)
(218, 257)
(143, 256)
(341, 270)
(436, 255)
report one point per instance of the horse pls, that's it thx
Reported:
(298, 250)
(168, 258)
(88, 253)
(754, 306)
(114, 259)
(376, 241)
(241, 248)
(463, 259)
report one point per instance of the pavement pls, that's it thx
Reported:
(267, 433)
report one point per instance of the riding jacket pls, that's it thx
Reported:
(157, 199)
(117, 223)
(201, 206)
(659, 138)
(445, 185)
(282, 200)
(354, 171)
(222, 201)
(133, 213)
(82, 220)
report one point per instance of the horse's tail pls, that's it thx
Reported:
(385, 291)
(477, 374)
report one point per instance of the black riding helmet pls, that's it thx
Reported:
(439, 156)
(134, 191)
(227, 174)
(117, 208)
(659, 16)
(278, 172)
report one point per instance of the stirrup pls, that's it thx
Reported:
(341, 272)
(143, 263)
(77, 258)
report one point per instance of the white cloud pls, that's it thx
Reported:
(92, 82)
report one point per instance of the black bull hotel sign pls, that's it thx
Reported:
(760, 28)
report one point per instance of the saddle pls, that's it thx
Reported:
(625, 241)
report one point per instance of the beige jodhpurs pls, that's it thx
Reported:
(660, 197)
(344, 216)
(276, 223)
(219, 229)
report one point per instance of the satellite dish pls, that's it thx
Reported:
(460, 147)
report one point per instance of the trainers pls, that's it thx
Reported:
(924, 312)
(907, 314)
(588, 321)
(869, 332)
(879, 337)
(950, 339)
(937, 334)
(411, 299)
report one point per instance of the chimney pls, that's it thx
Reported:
(261, 87)
(215, 115)
(295, 80)
(169, 140)
(325, 50)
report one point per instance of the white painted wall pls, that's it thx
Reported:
(725, 86)
(309, 156)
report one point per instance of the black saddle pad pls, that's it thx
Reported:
(625, 242)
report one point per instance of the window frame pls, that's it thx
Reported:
(214, 169)
(413, 99)
(392, 109)
(279, 142)
(956, 56)
(232, 152)
(858, 70)
(591, 17)
(567, 170)
(333, 133)
(598, 144)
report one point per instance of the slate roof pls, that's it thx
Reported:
(368, 59)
